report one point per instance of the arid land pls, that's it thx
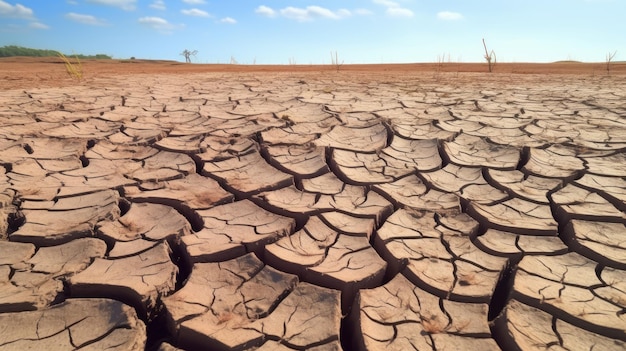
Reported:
(160, 205)
(22, 72)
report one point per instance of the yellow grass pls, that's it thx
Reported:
(73, 70)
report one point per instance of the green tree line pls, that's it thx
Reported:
(14, 50)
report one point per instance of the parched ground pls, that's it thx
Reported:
(157, 205)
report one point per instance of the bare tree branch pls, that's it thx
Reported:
(490, 57)
(188, 54)
(609, 58)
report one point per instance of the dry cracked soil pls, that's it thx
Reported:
(314, 211)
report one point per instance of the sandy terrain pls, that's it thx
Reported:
(159, 205)
(23, 72)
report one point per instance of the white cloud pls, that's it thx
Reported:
(158, 23)
(265, 11)
(344, 13)
(85, 19)
(195, 12)
(449, 16)
(228, 20)
(309, 13)
(394, 9)
(295, 13)
(17, 10)
(305, 14)
(22, 12)
(194, 2)
(127, 5)
(158, 5)
(38, 25)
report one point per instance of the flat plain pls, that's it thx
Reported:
(160, 206)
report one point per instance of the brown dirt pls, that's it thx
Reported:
(156, 204)
(31, 72)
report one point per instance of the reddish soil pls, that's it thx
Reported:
(157, 205)
(30, 72)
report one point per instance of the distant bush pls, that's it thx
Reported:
(13, 50)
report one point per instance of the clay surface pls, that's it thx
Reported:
(165, 206)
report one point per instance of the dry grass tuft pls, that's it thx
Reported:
(74, 70)
(334, 59)
(432, 325)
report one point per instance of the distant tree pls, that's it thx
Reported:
(188, 54)
(334, 60)
(490, 57)
(609, 58)
(14, 50)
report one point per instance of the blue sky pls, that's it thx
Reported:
(306, 31)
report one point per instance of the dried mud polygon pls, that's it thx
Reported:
(322, 212)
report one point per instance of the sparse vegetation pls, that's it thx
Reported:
(334, 59)
(609, 59)
(490, 57)
(440, 62)
(432, 324)
(74, 70)
(285, 117)
(13, 50)
(187, 54)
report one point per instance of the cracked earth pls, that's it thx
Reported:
(281, 211)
